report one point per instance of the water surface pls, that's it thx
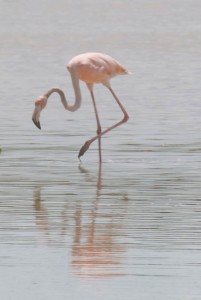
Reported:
(126, 229)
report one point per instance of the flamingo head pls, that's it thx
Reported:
(40, 104)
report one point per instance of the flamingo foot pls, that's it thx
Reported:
(84, 148)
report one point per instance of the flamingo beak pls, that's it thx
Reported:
(36, 116)
(37, 123)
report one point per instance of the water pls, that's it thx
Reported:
(126, 229)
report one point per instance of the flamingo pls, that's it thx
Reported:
(91, 68)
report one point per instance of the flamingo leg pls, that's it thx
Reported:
(98, 125)
(99, 135)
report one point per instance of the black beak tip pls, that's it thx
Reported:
(37, 124)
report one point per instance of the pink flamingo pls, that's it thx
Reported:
(91, 68)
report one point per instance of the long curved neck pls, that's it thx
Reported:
(77, 92)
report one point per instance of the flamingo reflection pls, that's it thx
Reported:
(95, 250)
(93, 225)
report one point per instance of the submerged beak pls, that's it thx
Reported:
(36, 116)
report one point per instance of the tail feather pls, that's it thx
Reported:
(126, 72)
(123, 71)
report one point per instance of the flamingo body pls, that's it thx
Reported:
(95, 67)
(91, 68)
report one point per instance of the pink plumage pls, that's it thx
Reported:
(91, 68)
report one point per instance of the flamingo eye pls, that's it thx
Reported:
(37, 102)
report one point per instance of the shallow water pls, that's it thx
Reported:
(130, 227)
